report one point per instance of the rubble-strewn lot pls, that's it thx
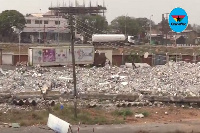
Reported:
(173, 79)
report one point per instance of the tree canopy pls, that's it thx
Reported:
(9, 18)
(130, 26)
(88, 25)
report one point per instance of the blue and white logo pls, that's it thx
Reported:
(178, 20)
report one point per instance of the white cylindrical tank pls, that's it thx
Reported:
(108, 37)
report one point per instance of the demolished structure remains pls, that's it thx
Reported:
(173, 79)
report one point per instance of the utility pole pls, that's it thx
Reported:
(19, 47)
(39, 28)
(164, 26)
(150, 31)
(58, 29)
(18, 31)
(125, 25)
(73, 63)
(39, 31)
(70, 11)
(44, 35)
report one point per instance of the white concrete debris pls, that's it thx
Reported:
(172, 79)
(139, 116)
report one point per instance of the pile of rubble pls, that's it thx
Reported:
(172, 79)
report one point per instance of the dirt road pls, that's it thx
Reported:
(187, 126)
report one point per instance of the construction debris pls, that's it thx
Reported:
(173, 79)
(139, 116)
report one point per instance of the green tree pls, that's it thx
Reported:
(9, 18)
(125, 25)
(88, 25)
(129, 25)
(144, 25)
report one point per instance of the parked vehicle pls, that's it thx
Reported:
(112, 39)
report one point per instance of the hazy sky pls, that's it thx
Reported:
(133, 8)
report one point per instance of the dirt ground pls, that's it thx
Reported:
(158, 120)
(158, 114)
(189, 126)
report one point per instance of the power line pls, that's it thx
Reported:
(83, 31)
(88, 25)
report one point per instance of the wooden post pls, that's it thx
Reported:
(73, 63)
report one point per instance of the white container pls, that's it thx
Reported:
(51, 56)
(108, 37)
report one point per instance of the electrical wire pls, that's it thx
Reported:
(83, 31)
(88, 25)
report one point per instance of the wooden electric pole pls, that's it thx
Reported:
(70, 11)
(73, 63)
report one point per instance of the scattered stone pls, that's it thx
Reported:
(139, 116)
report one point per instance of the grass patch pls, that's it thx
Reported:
(145, 113)
(85, 116)
(118, 121)
(124, 112)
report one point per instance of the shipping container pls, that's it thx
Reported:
(52, 56)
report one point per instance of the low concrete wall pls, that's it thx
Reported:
(7, 58)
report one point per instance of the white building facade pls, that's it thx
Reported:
(45, 28)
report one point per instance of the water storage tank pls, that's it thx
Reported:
(108, 38)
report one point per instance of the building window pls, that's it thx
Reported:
(28, 21)
(57, 22)
(46, 22)
(38, 21)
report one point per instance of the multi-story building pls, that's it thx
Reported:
(45, 27)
